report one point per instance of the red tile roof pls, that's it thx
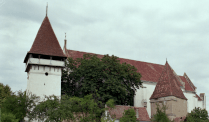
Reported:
(119, 110)
(46, 42)
(189, 81)
(187, 86)
(199, 99)
(149, 71)
(167, 85)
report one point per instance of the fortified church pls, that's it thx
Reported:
(45, 61)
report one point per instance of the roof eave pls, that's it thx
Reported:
(26, 57)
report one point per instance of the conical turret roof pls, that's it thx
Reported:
(167, 85)
(46, 42)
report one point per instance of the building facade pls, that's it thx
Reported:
(45, 60)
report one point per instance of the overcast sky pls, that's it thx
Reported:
(148, 30)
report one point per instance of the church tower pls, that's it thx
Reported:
(44, 63)
(169, 93)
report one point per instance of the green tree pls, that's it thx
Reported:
(8, 117)
(107, 75)
(48, 110)
(106, 118)
(5, 91)
(160, 115)
(128, 116)
(18, 104)
(68, 108)
(197, 114)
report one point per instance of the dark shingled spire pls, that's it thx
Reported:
(167, 85)
(46, 42)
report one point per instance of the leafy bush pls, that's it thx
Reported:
(160, 115)
(128, 116)
(197, 115)
(17, 104)
(5, 91)
(69, 108)
(8, 117)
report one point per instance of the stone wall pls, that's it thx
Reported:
(176, 107)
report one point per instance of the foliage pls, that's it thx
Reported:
(5, 91)
(69, 108)
(17, 104)
(160, 115)
(107, 75)
(107, 120)
(49, 110)
(128, 116)
(197, 114)
(8, 117)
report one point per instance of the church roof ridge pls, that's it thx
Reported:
(189, 81)
(167, 85)
(117, 56)
(188, 87)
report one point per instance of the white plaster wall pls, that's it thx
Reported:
(191, 102)
(144, 93)
(195, 101)
(138, 97)
(37, 79)
(204, 102)
(200, 104)
(149, 90)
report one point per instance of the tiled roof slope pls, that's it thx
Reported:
(199, 99)
(189, 81)
(187, 86)
(46, 42)
(167, 85)
(120, 109)
(149, 71)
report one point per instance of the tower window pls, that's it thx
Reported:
(46, 73)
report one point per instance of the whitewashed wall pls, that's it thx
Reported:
(37, 79)
(204, 102)
(191, 102)
(144, 93)
(200, 104)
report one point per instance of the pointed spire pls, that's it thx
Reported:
(65, 45)
(46, 9)
(46, 42)
(167, 85)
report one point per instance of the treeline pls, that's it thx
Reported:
(15, 108)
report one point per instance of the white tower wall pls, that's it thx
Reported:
(40, 84)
